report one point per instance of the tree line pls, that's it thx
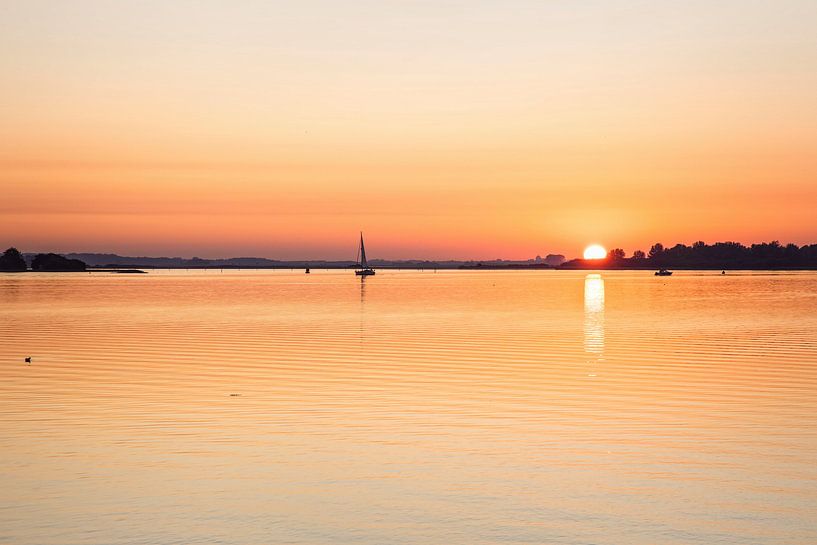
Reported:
(720, 255)
(13, 261)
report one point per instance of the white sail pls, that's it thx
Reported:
(363, 263)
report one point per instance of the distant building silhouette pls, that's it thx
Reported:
(554, 260)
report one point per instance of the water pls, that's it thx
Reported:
(413, 407)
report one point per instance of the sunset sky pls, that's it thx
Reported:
(469, 129)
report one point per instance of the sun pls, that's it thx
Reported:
(595, 251)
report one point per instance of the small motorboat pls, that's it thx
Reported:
(663, 272)
(306, 270)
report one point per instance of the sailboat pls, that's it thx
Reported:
(364, 269)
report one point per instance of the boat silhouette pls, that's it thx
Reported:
(663, 272)
(363, 265)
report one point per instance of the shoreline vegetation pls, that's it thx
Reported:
(698, 256)
(13, 261)
(701, 256)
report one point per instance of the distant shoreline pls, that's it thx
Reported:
(88, 270)
(699, 256)
(146, 270)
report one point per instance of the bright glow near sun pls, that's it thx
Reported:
(595, 251)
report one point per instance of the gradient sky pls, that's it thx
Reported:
(469, 129)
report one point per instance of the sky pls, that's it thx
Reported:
(468, 129)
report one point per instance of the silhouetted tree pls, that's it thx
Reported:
(656, 250)
(808, 255)
(639, 255)
(12, 260)
(55, 262)
(616, 254)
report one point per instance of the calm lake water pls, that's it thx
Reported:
(257, 407)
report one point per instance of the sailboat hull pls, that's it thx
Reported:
(365, 272)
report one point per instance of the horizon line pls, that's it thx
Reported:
(413, 259)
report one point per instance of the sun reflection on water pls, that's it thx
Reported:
(594, 314)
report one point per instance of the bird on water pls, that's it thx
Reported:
(28, 359)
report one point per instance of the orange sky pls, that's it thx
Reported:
(442, 129)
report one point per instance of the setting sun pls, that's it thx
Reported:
(595, 251)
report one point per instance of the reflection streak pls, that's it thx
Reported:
(594, 314)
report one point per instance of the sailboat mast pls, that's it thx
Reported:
(363, 262)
